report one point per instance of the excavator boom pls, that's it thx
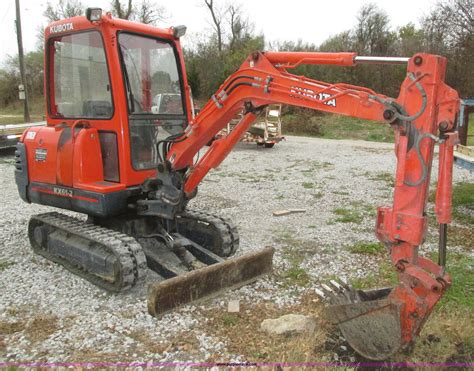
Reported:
(379, 322)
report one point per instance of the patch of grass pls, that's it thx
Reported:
(305, 122)
(385, 276)
(285, 236)
(318, 195)
(5, 264)
(369, 248)
(347, 215)
(308, 185)
(316, 165)
(296, 276)
(386, 177)
(463, 202)
(18, 119)
(279, 197)
(461, 269)
(230, 319)
(448, 336)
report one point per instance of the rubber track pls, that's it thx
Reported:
(227, 230)
(126, 249)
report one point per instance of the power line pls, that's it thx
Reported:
(6, 13)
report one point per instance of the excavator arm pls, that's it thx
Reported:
(379, 322)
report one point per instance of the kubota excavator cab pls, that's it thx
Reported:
(114, 89)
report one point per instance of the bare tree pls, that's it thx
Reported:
(149, 12)
(60, 10)
(239, 25)
(146, 11)
(461, 16)
(63, 9)
(217, 20)
(449, 30)
(121, 11)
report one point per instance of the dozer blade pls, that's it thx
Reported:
(369, 320)
(209, 281)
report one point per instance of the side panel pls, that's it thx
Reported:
(41, 145)
(42, 161)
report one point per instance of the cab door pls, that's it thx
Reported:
(80, 99)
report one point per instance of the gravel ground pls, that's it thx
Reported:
(48, 314)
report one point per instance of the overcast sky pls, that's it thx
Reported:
(310, 20)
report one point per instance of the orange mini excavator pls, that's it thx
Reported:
(121, 146)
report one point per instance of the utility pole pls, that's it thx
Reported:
(26, 111)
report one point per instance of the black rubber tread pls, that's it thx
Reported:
(228, 234)
(129, 253)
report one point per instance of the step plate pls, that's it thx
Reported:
(209, 281)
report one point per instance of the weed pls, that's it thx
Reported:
(318, 195)
(296, 276)
(369, 248)
(285, 236)
(342, 193)
(229, 319)
(385, 276)
(5, 264)
(384, 177)
(347, 215)
(308, 185)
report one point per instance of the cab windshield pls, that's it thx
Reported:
(155, 101)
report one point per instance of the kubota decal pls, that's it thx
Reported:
(61, 28)
(298, 92)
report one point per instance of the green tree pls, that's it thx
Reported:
(10, 78)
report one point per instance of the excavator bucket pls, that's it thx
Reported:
(369, 320)
(207, 282)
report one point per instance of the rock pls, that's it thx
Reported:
(287, 324)
(233, 306)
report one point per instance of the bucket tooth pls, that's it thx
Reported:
(209, 281)
(320, 293)
(336, 286)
